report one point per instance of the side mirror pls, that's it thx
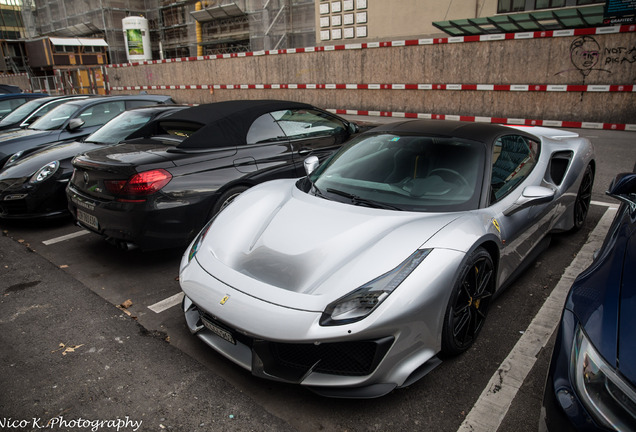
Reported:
(623, 188)
(531, 196)
(311, 163)
(353, 128)
(75, 124)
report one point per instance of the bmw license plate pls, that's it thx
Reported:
(87, 219)
(220, 332)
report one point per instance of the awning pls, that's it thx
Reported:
(554, 19)
(217, 12)
(77, 30)
(77, 42)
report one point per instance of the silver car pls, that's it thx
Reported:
(356, 279)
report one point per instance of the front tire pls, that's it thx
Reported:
(469, 303)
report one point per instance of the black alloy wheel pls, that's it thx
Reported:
(227, 197)
(583, 199)
(469, 303)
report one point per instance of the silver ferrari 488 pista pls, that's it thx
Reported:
(358, 278)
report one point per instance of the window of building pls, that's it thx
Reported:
(586, 2)
(504, 6)
(10, 18)
(546, 4)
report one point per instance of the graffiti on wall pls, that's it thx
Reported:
(587, 57)
(620, 55)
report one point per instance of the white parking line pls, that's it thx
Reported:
(494, 402)
(65, 237)
(167, 303)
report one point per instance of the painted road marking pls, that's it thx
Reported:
(166, 303)
(493, 404)
(65, 237)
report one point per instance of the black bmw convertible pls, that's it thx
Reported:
(158, 190)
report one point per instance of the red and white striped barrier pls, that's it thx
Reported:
(499, 120)
(448, 87)
(400, 43)
(453, 87)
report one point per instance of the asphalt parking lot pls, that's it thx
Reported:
(63, 285)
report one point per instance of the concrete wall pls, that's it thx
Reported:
(20, 80)
(535, 61)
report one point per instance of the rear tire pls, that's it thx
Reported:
(469, 303)
(226, 198)
(583, 199)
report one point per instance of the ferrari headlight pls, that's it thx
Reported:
(196, 244)
(13, 158)
(361, 302)
(605, 395)
(45, 172)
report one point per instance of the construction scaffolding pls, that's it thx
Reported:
(89, 18)
(180, 28)
(282, 24)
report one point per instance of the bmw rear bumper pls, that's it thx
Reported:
(156, 223)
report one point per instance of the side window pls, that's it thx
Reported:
(100, 114)
(513, 158)
(8, 105)
(265, 129)
(139, 103)
(303, 123)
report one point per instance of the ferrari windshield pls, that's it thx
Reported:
(120, 127)
(404, 172)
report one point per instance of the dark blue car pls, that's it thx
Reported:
(591, 384)
(11, 101)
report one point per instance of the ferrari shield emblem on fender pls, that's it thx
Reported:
(224, 299)
(496, 224)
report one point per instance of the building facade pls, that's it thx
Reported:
(346, 21)
(194, 28)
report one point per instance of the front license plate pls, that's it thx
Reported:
(87, 219)
(220, 332)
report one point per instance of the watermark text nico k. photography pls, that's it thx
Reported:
(59, 422)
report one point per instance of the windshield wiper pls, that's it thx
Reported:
(317, 192)
(356, 200)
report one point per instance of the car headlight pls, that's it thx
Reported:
(13, 158)
(196, 244)
(45, 172)
(605, 395)
(361, 302)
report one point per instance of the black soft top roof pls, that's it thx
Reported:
(226, 122)
(483, 132)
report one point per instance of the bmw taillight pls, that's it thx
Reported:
(139, 185)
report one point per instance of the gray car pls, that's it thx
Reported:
(358, 278)
(32, 110)
(70, 122)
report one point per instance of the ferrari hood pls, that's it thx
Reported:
(277, 236)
